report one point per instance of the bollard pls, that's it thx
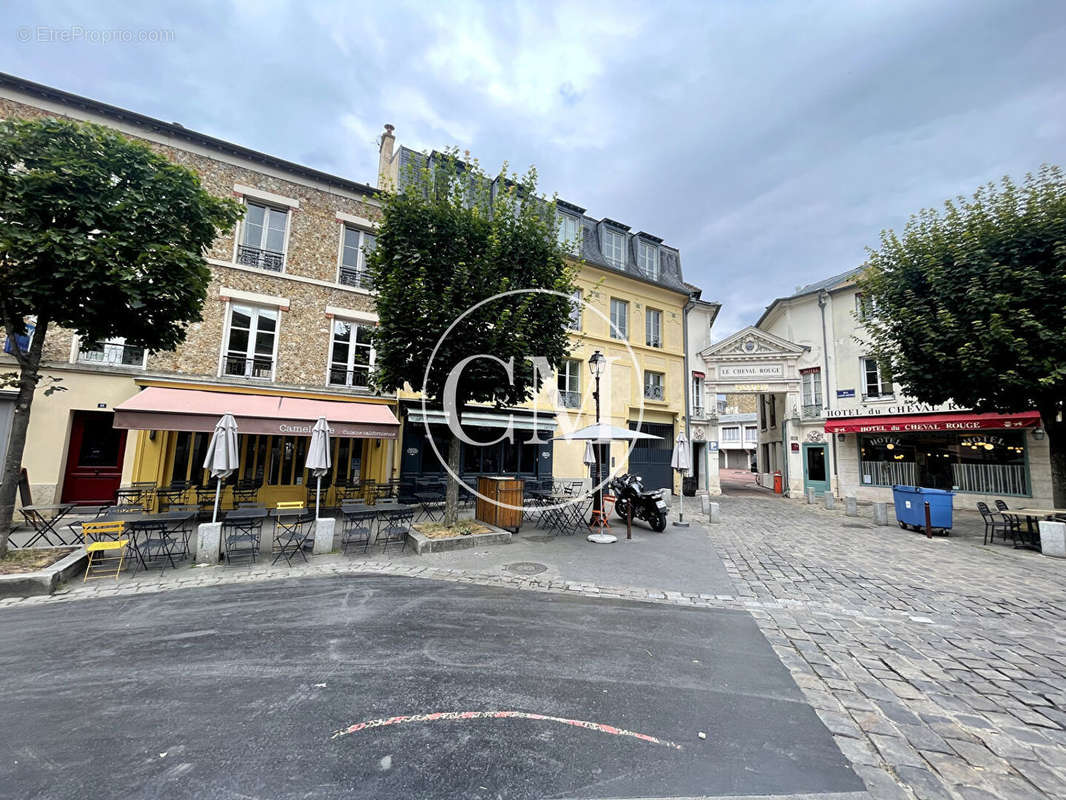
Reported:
(324, 528)
(209, 543)
(715, 513)
(851, 507)
(830, 501)
(812, 495)
(705, 504)
(1053, 538)
(880, 513)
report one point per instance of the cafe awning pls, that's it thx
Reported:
(163, 409)
(932, 422)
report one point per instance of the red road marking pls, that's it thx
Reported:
(463, 715)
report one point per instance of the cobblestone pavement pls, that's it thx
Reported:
(939, 665)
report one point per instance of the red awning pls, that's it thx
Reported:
(698, 374)
(932, 422)
(158, 408)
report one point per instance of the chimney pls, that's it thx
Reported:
(385, 156)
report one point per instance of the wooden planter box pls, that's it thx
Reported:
(501, 489)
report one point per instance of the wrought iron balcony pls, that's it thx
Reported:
(358, 377)
(812, 411)
(570, 399)
(112, 354)
(698, 411)
(653, 392)
(263, 259)
(255, 367)
(359, 278)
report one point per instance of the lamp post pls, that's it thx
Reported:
(597, 363)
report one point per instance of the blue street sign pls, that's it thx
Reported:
(845, 392)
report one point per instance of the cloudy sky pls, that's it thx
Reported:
(770, 141)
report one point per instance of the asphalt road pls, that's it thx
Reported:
(237, 691)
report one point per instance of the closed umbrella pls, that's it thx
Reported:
(589, 460)
(318, 460)
(222, 455)
(681, 460)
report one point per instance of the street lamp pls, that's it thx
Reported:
(597, 364)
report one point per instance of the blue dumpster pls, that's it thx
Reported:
(910, 507)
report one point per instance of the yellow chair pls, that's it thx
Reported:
(290, 505)
(102, 552)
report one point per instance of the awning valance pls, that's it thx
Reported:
(932, 422)
(164, 409)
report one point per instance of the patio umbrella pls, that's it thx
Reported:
(590, 459)
(603, 433)
(318, 458)
(222, 455)
(681, 460)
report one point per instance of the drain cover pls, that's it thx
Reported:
(526, 568)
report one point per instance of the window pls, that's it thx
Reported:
(648, 259)
(570, 383)
(263, 237)
(771, 405)
(570, 233)
(356, 246)
(878, 381)
(112, 352)
(653, 385)
(697, 396)
(864, 307)
(614, 246)
(653, 327)
(731, 433)
(619, 319)
(250, 344)
(751, 435)
(811, 386)
(575, 311)
(351, 356)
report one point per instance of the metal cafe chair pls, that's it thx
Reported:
(242, 531)
(993, 522)
(102, 550)
(431, 506)
(397, 524)
(291, 522)
(357, 527)
(157, 545)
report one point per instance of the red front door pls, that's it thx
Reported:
(94, 460)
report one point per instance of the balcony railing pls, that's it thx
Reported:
(359, 278)
(257, 257)
(653, 392)
(358, 377)
(255, 367)
(570, 399)
(112, 354)
(812, 411)
(699, 411)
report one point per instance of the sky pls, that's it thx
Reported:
(770, 142)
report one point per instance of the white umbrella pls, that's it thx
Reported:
(590, 460)
(222, 455)
(318, 459)
(603, 432)
(681, 460)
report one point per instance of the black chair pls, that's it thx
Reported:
(245, 491)
(290, 534)
(1013, 521)
(397, 524)
(357, 527)
(431, 506)
(171, 495)
(993, 522)
(312, 492)
(151, 542)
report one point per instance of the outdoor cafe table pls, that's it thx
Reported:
(243, 525)
(1031, 514)
(174, 522)
(44, 519)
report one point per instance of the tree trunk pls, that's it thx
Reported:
(29, 376)
(1056, 439)
(451, 498)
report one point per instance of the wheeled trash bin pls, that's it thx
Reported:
(910, 507)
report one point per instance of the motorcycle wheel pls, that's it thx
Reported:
(621, 508)
(658, 522)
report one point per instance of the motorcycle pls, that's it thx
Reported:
(648, 506)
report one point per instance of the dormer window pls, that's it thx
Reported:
(570, 233)
(614, 248)
(648, 259)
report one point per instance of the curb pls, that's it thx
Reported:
(44, 581)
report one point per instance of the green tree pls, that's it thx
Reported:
(100, 235)
(969, 304)
(450, 238)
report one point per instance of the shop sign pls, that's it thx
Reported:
(751, 387)
(795, 447)
(751, 371)
(864, 410)
(842, 393)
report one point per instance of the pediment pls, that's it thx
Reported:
(751, 343)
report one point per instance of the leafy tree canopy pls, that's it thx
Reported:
(100, 234)
(969, 303)
(450, 238)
